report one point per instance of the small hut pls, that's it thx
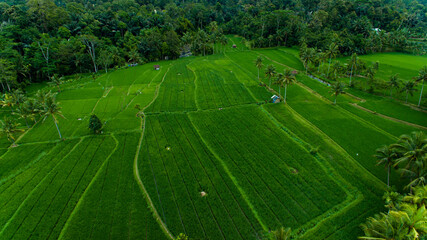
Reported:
(234, 46)
(156, 67)
(275, 99)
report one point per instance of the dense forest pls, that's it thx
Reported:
(40, 39)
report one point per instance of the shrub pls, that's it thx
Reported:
(95, 124)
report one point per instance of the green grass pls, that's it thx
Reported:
(207, 128)
(390, 63)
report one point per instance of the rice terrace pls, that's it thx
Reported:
(246, 142)
(203, 126)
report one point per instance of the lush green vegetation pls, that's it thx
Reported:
(43, 40)
(196, 148)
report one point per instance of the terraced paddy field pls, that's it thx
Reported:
(204, 126)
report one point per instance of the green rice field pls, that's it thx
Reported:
(208, 155)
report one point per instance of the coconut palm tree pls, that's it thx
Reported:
(279, 81)
(289, 78)
(382, 226)
(8, 101)
(422, 76)
(418, 197)
(33, 108)
(331, 53)
(353, 63)
(270, 72)
(394, 82)
(336, 89)
(23, 113)
(18, 97)
(281, 234)
(56, 81)
(9, 128)
(409, 88)
(258, 64)
(370, 74)
(412, 150)
(51, 108)
(386, 156)
(223, 40)
(336, 68)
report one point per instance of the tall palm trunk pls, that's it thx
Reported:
(388, 176)
(330, 58)
(421, 94)
(258, 74)
(391, 91)
(279, 91)
(57, 128)
(351, 74)
(335, 100)
(269, 85)
(406, 96)
(286, 86)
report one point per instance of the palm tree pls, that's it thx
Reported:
(55, 80)
(353, 62)
(370, 74)
(331, 53)
(382, 226)
(394, 82)
(281, 234)
(289, 78)
(308, 56)
(336, 89)
(258, 64)
(279, 81)
(51, 108)
(422, 76)
(19, 97)
(23, 113)
(419, 196)
(224, 40)
(33, 108)
(9, 128)
(412, 150)
(386, 156)
(8, 101)
(336, 68)
(270, 72)
(409, 88)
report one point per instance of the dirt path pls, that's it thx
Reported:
(135, 166)
(389, 118)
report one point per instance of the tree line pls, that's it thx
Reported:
(40, 38)
(321, 63)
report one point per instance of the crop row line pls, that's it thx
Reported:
(155, 183)
(37, 199)
(117, 187)
(210, 179)
(14, 176)
(230, 175)
(205, 149)
(74, 190)
(188, 193)
(197, 180)
(136, 171)
(169, 181)
(300, 166)
(351, 198)
(37, 186)
(254, 166)
(240, 170)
